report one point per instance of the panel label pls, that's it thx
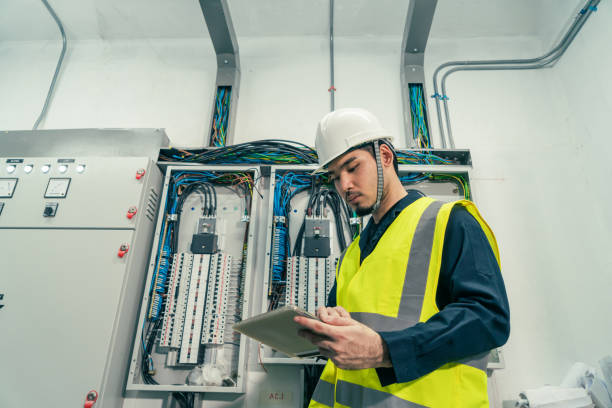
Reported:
(275, 397)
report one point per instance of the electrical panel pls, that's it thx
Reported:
(198, 283)
(76, 233)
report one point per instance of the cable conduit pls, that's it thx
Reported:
(545, 60)
(43, 113)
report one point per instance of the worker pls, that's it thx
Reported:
(419, 299)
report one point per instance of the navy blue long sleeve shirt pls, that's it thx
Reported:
(474, 313)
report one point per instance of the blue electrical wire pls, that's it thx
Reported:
(418, 107)
(413, 178)
(287, 186)
(159, 280)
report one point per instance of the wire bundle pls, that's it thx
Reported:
(412, 157)
(273, 151)
(185, 400)
(420, 130)
(221, 116)
(149, 332)
(286, 187)
(320, 198)
(413, 178)
(270, 151)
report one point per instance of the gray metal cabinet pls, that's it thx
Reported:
(70, 300)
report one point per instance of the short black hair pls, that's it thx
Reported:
(370, 148)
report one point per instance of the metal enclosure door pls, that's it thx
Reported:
(59, 351)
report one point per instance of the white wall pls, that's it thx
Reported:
(138, 83)
(538, 140)
(285, 82)
(170, 84)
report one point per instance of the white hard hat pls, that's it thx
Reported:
(343, 129)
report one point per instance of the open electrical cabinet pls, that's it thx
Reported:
(197, 283)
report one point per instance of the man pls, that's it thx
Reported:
(419, 299)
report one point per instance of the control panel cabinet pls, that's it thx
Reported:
(75, 235)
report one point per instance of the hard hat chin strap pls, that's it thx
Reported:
(381, 180)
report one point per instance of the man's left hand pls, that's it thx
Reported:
(350, 344)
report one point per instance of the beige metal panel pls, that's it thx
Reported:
(99, 197)
(61, 291)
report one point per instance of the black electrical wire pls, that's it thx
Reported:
(149, 340)
(314, 194)
(207, 200)
(210, 206)
(214, 195)
(319, 199)
(184, 399)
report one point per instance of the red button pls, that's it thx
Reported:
(90, 399)
(131, 212)
(123, 249)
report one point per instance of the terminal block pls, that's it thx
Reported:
(196, 304)
(213, 327)
(176, 300)
(194, 311)
(309, 281)
(296, 292)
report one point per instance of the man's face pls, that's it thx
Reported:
(354, 177)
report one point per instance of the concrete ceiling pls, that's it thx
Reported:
(172, 19)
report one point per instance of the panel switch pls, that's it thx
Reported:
(316, 237)
(50, 210)
(132, 212)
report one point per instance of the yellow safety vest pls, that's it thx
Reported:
(395, 288)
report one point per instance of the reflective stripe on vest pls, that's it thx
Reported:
(377, 295)
(354, 395)
(324, 393)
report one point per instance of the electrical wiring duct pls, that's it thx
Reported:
(546, 60)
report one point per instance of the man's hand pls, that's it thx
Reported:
(349, 344)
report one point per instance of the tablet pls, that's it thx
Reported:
(278, 330)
